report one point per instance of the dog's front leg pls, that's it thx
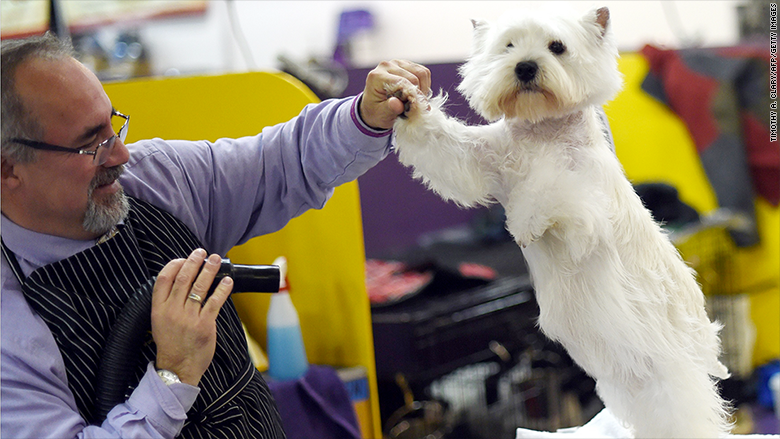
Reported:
(445, 153)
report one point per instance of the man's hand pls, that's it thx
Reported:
(378, 108)
(186, 332)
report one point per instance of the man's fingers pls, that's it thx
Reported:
(165, 279)
(397, 105)
(418, 75)
(380, 105)
(188, 273)
(206, 276)
(218, 297)
(421, 76)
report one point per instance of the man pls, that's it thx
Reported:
(87, 220)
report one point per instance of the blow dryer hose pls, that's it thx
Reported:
(120, 356)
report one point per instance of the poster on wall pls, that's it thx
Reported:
(20, 18)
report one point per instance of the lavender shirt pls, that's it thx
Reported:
(226, 192)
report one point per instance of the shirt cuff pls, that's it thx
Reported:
(361, 125)
(164, 406)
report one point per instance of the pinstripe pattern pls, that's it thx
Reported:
(80, 298)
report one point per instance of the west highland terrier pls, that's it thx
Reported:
(611, 287)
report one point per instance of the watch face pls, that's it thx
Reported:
(168, 377)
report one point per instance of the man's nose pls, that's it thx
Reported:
(119, 154)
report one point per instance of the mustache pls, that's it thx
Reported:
(106, 176)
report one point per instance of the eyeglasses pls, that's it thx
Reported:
(101, 152)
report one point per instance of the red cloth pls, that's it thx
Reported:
(687, 93)
(693, 89)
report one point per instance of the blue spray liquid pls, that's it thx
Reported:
(286, 354)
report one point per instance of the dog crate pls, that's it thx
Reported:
(540, 388)
(428, 337)
(708, 248)
(477, 363)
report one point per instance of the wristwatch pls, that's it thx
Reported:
(168, 377)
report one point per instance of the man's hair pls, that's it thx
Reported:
(17, 121)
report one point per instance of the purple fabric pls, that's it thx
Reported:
(316, 406)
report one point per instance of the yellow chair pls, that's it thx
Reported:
(324, 248)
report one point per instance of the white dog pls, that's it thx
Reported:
(610, 285)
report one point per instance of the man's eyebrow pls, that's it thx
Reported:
(91, 132)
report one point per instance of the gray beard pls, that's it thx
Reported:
(103, 216)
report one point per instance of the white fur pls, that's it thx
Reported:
(611, 287)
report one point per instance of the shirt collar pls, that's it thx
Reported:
(34, 249)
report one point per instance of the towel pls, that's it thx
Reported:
(605, 425)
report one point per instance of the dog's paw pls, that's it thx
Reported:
(526, 239)
(528, 230)
(401, 96)
(413, 99)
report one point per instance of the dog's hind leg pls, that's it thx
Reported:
(686, 405)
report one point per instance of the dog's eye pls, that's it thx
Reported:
(509, 45)
(557, 47)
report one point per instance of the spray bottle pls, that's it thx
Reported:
(286, 354)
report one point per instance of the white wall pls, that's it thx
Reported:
(423, 31)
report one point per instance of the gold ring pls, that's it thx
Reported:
(195, 297)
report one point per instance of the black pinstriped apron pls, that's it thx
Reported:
(80, 298)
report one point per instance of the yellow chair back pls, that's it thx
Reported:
(324, 248)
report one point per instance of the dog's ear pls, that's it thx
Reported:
(599, 17)
(481, 28)
(478, 23)
(602, 19)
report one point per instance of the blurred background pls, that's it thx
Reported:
(452, 308)
(198, 36)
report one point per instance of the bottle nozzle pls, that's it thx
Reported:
(281, 262)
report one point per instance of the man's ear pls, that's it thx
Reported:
(7, 172)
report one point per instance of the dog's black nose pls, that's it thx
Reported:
(526, 71)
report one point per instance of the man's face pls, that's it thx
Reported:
(66, 194)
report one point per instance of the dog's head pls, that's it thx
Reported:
(537, 66)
